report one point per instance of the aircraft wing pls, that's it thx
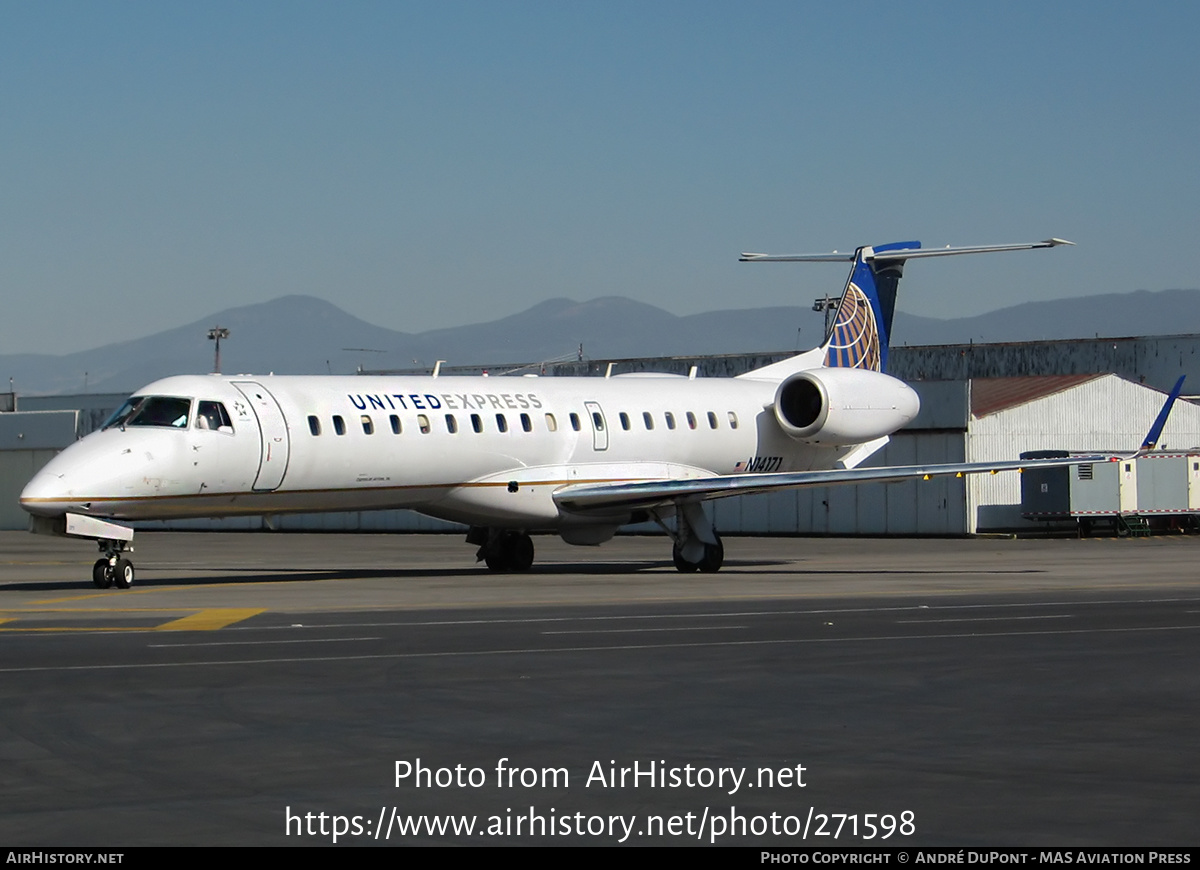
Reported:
(584, 498)
(600, 497)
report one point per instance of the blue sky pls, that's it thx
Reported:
(424, 165)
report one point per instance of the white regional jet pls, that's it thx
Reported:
(578, 457)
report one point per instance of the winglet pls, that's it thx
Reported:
(1156, 430)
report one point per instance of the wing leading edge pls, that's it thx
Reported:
(584, 498)
(611, 496)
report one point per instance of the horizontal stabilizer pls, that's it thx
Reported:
(912, 253)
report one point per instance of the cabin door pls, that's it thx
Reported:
(599, 429)
(273, 430)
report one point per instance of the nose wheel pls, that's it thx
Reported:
(112, 569)
(102, 574)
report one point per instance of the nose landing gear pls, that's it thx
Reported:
(112, 569)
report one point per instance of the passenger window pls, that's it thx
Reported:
(423, 424)
(712, 420)
(691, 418)
(339, 425)
(476, 422)
(212, 415)
(597, 421)
(451, 423)
(670, 419)
(368, 425)
(551, 423)
(648, 419)
(732, 420)
(526, 423)
(501, 422)
(574, 421)
(395, 418)
(624, 421)
(314, 425)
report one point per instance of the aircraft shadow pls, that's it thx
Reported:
(761, 568)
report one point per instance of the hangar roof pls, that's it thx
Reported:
(992, 395)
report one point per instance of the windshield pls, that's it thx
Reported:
(169, 411)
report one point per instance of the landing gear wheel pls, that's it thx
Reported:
(123, 576)
(714, 557)
(682, 565)
(520, 552)
(511, 551)
(102, 574)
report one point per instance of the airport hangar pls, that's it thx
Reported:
(979, 402)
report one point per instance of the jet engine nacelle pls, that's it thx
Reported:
(843, 406)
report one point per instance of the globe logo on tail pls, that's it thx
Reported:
(854, 340)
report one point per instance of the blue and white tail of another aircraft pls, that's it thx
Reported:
(859, 335)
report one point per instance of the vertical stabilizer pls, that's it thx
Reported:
(858, 338)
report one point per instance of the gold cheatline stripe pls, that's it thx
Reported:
(226, 495)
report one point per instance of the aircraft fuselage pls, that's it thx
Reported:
(477, 450)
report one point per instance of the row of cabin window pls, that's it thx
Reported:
(368, 423)
(669, 418)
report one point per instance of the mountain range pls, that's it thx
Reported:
(306, 335)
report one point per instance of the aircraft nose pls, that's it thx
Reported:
(45, 495)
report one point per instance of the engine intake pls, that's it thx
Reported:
(843, 406)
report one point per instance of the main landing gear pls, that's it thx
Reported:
(501, 549)
(697, 546)
(710, 562)
(112, 569)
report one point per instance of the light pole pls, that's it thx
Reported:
(830, 307)
(216, 334)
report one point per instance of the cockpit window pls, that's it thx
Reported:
(169, 411)
(212, 415)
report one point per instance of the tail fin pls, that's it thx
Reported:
(1160, 422)
(858, 338)
(860, 333)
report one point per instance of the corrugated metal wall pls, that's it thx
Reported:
(1156, 361)
(27, 442)
(1108, 413)
(16, 469)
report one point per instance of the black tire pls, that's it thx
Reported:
(682, 565)
(520, 552)
(102, 574)
(123, 575)
(714, 558)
